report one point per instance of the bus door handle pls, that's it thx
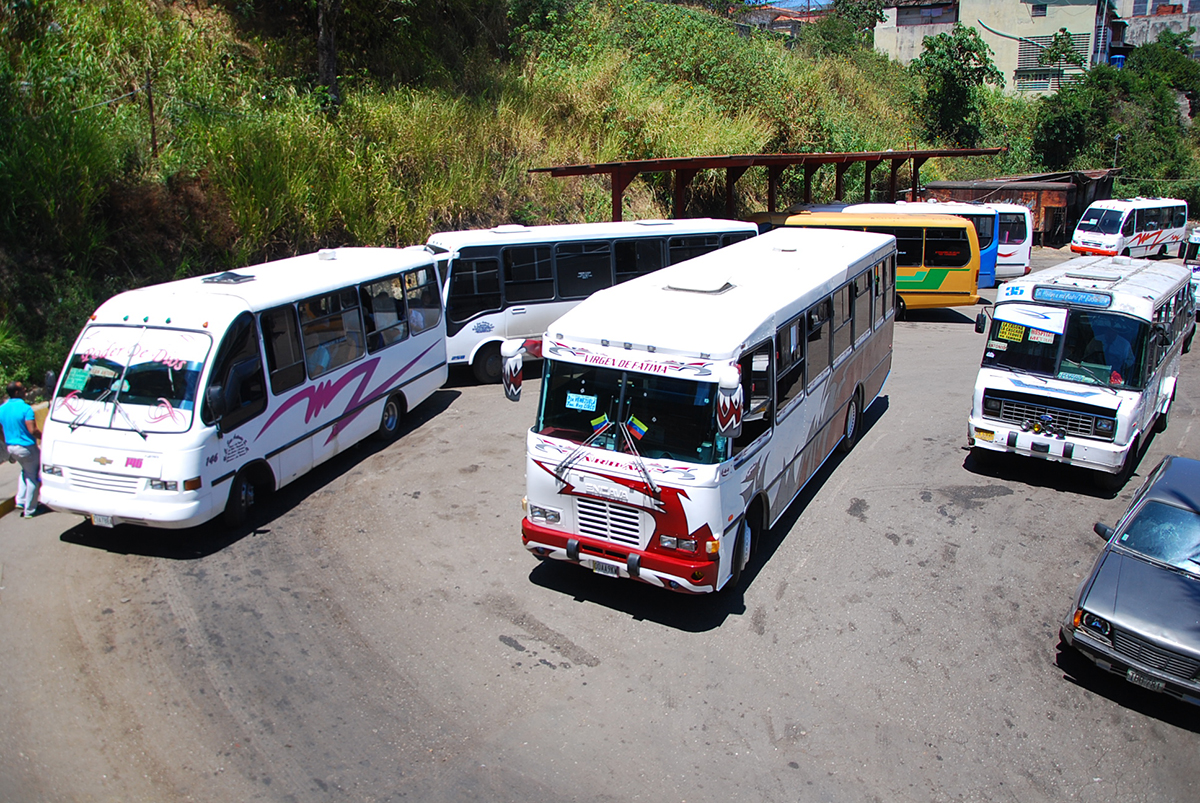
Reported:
(516, 310)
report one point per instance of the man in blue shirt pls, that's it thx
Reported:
(21, 434)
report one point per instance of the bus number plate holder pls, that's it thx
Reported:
(606, 569)
(102, 521)
(1145, 681)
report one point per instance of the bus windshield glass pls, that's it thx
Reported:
(1088, 346)
(143, 379)
(667, 418)
(1102, 221)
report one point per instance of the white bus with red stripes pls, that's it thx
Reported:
(681, 412)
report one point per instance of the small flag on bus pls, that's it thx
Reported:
(636, 428)
(600, 423)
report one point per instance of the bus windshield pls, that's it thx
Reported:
(1088, 346)
(143, 379)
(667, 417)
(1103, 221)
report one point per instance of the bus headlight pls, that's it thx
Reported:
(1105, 425)
(52, 471)
(164, 485)
(544, 514)
(991, 405)
(674, 542)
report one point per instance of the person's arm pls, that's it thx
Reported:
(31, 425)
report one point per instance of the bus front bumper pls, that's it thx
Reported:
(614, 560)
(997, 436)
(178, 514)
(1093, 251)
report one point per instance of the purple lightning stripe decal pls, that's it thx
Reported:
(323, 394)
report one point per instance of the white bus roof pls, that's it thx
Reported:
(195, 303)
(1135, 203)
(923, 208)
(1136, 286)
(453, 241)
(711, 306)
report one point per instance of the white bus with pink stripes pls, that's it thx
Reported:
(681, 412)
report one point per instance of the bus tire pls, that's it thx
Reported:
(1162, 419)
(1187, 341)
(853, 425)
(901, 309)
(740, 556)
(488, 364)
(241, 499)
(389, 420)
(1115, 482)
(1125, 253)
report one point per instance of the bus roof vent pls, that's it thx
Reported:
(656, 222)
(228, 277)
(510, 228)
(713, 289)
(1094, 276)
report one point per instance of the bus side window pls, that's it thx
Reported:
(682, 248)
(789, 363)
(909, 250)
(332, 331)
(638, 257)
(384, 319)
(756, 394)
(888, 288)
(735, 237)
(843, 313)
(583, 268)
(1179, 217)
(421, 300)
(527, 274)
(862, 304)
(281, 341)
(474, 289)
(947, 248)
(819, 335)
(237, 376)
(1127, 226)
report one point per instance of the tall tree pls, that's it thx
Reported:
(328, 12)
(954, 66)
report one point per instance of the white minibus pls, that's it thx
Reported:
(1137, 227)
(184, 400)
(509, 282)
(683, 411)
(1081, 361)
(1014, 250)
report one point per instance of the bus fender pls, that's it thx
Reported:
(1166, 394)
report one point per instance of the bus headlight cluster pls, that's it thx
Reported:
(674, 542)
(1105, 425)
(991, 405)
(544, 514)
(164, 485)
(51, 471)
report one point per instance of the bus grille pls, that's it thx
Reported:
(1073, 422)
(99, 481)
(1155, 657)
(601, 519)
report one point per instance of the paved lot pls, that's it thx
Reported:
(382, 635)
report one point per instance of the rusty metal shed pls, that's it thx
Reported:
(735, 166)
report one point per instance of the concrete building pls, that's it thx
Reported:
(1016, 30)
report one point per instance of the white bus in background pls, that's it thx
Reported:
(1081, 361)
(510, 282)
(184, 400)
(1137, 227)
(1014, 250)
(683, 411)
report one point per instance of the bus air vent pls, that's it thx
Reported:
(711, 290)
(228, 277)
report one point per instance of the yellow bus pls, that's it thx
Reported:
(937, 256)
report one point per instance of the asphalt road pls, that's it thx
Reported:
(382, 635)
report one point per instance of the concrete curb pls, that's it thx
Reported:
(9, 471)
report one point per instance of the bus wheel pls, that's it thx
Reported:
(1187, 341)
(1161, 420)
(901, 309)
(853, 424)
(1115, 482)
(241, 499)
(389, 421)
(1125, 253)
(741, 555)
(488, 364)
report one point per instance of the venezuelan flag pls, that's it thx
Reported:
(636, 428)
(599, 423)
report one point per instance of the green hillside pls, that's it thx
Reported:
(145, 140)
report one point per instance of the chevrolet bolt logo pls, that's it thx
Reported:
(104, 461)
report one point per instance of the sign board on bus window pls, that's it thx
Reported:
(1080, 298)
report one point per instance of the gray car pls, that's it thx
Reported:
(1137, 614)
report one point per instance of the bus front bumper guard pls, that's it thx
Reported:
(986, 433)
(606, 558)
(174, 514)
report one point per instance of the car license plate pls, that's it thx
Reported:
(1145, 681)
(606, 569)
(984, 435)
(102, 521)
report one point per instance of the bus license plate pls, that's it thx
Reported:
(102, 521)
(984, 435)
(1145, 681)
(606, 569)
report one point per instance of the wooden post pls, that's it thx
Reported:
(153, 126)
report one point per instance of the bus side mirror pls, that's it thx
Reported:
(215, 397)
(512, 375)
(729, 402)
(981, 323)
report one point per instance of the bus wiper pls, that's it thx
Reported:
(87, 412)
(641, 464)
(560, 471)
(120, 408)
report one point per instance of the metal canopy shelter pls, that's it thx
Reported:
(685, 169)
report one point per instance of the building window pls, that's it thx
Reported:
(931, 14)
(1037, 10)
